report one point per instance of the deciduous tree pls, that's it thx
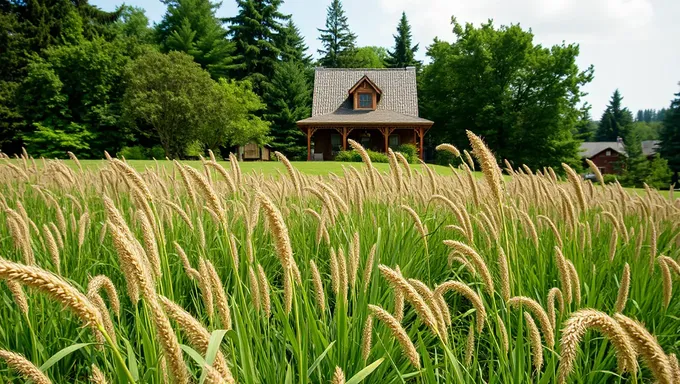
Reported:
(521, 97)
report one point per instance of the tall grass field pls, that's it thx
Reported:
(205, 273)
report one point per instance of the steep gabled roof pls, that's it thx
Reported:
(590, 149)
(398, 86)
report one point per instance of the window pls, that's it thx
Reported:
(609, 152)
(365, 100)
(336, 142)
(393, 141)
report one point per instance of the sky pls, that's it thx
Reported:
(629, 42)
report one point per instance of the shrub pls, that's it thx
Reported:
(446, 158)
(156, 152)
(353, 156)
(609, 178)
(136, 152)
(409, 151)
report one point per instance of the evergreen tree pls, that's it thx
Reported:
(289, 100)
(669, 147)
(255, 32)
(403, 54)
(27, 29)
(584, 127)
(615, 121)
(191, 26)
(292, 44)
(339, 43)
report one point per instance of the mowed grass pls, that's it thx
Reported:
(322, 168)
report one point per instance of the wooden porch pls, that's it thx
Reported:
(328, 140)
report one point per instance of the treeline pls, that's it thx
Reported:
(75, 78)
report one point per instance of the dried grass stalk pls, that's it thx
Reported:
(469, 294)
(20, 364)
(535, 337)
(574, 329)
(646, 345)
(477, 260)
(539, 313)
(624, 287)
(366, 338)
(197, 335)
(411, 295)
(338, 376)
(264, 291)
(397, 332)
(220, 296)
(318, 286)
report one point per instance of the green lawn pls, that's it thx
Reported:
(265, 167)
(271, 167)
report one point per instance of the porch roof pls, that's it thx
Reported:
(351, 117)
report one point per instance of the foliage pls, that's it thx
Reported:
(370, 57)
(354, 156)
(254, 32)
(168, 92)
(410, 152)
(139, 152)
(521, 97)
(183, 104)
(190, 26)
(75, 89)
(28, 29)
(638, 170)
(647, 131)
(230, 116)
(289, 100)
(585, 127)
(339, 43)
(616, 120)
(651, 115)
(292, 45)
(669, 148)
(403, 54)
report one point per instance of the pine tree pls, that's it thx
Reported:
(403, 54)
(339, 43)
(292, 44)
(190, 26)
(289, 100)
(615, 121)
(254, 31)
(669, 148)
(584, 126)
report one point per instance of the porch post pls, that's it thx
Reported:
(386, 133)
(422, 133)
(344, 138)
(309, 143)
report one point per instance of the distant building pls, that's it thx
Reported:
(375, 107)
(650, 148)
(253, 151)
(607, 155)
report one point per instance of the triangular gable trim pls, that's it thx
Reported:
(366, 79)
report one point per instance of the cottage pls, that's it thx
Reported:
(607, 155)
(375, 107)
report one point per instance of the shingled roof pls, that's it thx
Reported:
(398, 102)
(592, 148)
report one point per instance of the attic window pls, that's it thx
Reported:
(366, 100)
(609, 153)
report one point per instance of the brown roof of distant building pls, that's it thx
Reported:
(592, 148)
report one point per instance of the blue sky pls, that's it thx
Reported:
(629, 42)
